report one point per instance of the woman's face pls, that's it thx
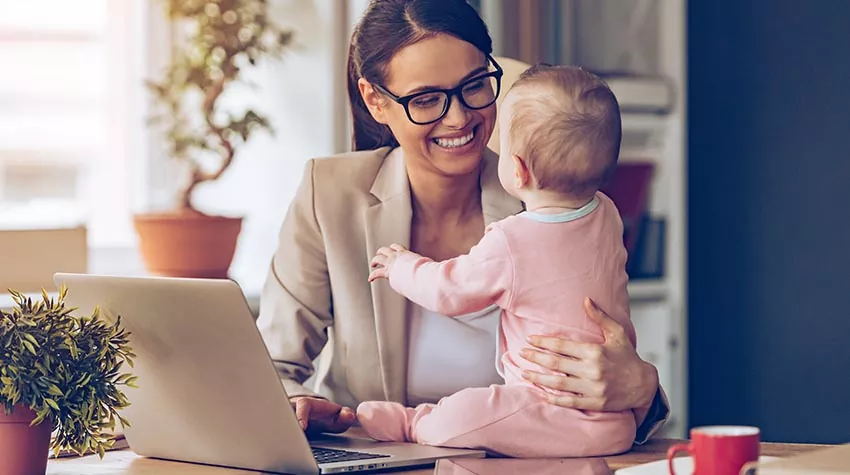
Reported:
(454, 144)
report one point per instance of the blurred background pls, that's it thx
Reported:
(733, 180)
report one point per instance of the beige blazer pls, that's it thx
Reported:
(317, 297)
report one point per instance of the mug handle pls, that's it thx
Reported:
(672, 451)
(750, 468)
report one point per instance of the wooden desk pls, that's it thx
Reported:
(124, 462)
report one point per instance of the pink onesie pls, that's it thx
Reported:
(537, 268)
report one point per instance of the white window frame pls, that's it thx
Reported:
(146, 170)
(132, 174)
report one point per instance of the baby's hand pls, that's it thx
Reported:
(383, 260)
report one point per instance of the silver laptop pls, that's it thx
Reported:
(208, 391)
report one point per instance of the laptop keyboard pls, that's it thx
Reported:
(334, 455)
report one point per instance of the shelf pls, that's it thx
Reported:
(648, 289)
(642, 155)
(641, 121)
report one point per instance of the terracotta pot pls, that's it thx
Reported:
(23, 449)
(187, 244)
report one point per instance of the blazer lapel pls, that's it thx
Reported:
(388, 222)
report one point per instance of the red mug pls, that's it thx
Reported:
(719, 450)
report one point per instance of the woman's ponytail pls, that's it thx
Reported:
(366, 133)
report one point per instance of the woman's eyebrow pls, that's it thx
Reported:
(470, 75)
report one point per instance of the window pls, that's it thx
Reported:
(74, 141)
(71, 124)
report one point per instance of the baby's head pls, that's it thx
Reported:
(560, 133)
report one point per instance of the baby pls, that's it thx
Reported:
(560, 141)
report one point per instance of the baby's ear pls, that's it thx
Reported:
(522, 176)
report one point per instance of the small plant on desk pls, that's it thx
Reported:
(60, 374)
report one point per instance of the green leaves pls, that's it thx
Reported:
(29, 346)
(67, 369)
(54, 390)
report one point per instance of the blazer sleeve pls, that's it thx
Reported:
(654, 419)
(295, 304)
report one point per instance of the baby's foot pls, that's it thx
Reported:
(384, 421)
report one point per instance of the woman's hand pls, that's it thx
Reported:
(320, 415)
(601, 377)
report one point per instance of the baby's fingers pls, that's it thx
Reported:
(378, 273)
(384, 251)
(379, 260)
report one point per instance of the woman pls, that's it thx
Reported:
(421, 175)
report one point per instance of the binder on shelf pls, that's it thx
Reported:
(628, 188)
(641, 94)
(647, 259)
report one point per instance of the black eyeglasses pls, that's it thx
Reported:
(427, 107)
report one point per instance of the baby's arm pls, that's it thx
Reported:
(465, 284)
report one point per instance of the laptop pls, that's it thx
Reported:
(208, 390)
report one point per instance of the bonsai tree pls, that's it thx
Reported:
(66, 369)
(221, 38)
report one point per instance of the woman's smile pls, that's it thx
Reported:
(458, 143)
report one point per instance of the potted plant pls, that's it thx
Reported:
(221, 38)
(58, 373)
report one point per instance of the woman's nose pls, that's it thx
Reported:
(457, 116)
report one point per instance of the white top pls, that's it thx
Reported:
(450, 354)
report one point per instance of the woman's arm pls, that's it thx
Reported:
(295, 306)
(601, 377)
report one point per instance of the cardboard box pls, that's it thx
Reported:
(30, 257)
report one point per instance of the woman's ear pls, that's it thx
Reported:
(522, 177)
(373, 101)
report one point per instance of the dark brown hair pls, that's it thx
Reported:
(386, 27)
(565, 124)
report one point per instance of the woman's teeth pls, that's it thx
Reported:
(455, 142)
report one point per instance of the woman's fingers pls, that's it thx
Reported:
(568, 348)
(587, 394)
(550, 361)
(398, 247)
(319, 415)
(338, 422)
(611, 329)
(561, 364)
(302, 412)
(554, 381)
(614, 335)
(608, 376)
